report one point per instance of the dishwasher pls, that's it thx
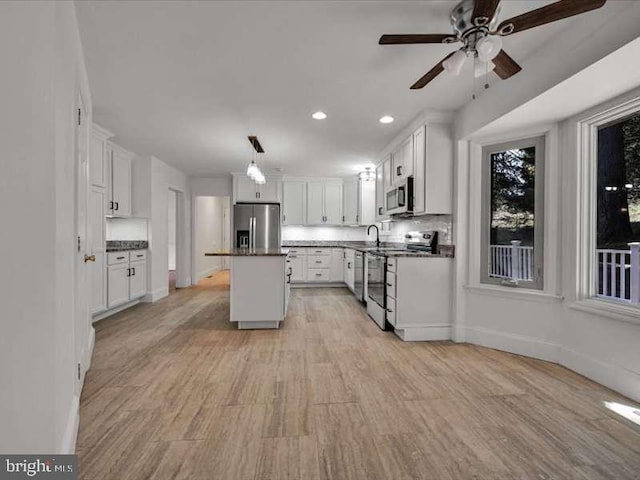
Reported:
(376, 290)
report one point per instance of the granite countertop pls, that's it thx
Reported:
(124, 245)
(399, 249)
(249, 252)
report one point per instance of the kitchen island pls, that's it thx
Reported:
(260, 286)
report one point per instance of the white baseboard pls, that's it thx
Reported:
(319, 285)
(88, 351)
(614, 377)
(182, 283)
(519, 344)
(71, 427)
(113, 311)
(424, 333)
(156, 295)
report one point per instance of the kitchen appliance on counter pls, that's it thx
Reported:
(399, 198)
(422, 241)
(376, 289)
(256, 225)
(358, 284)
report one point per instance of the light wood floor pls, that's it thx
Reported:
(175, 392)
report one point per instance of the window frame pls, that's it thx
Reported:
(539, 143)
(587, 155)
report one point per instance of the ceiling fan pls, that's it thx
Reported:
(475, 25)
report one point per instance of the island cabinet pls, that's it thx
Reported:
(418, 297)
(314, 265)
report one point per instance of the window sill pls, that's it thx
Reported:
(608, 309)
(514, 293)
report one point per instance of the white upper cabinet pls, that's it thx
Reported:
(402, 161)
(333, 203)
(427, 156)
(324, 203)
(119, 198)
(367, 203)
(246, 190)
(315, 203)
(351, 203)
(294, 203)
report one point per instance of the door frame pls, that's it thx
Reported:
(183, 279)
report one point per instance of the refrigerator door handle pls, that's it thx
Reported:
(253, 232)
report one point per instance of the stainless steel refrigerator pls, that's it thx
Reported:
(256, 225)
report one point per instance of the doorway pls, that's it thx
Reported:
(211, 232)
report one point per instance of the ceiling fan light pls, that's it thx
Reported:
(454, 63)
(488, 47)
(482, 68)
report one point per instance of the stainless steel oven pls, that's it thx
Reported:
(399, 198)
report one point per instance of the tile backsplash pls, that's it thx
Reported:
(398, 228)
(393, 231)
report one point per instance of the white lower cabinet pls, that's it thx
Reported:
(298, 265)
(337, 262)
(126, 276)
(419, 297)
(316, 265)
(350, 268)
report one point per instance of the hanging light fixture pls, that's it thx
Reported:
(367, 175)
(253, 171)
(454, 63)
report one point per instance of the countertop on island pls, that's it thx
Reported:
(249, 252)
(398, 249)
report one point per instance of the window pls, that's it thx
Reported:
(617, 222)
(512, 213)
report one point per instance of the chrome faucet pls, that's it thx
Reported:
(377, 234)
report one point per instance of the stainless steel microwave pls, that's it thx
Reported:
(399, 198)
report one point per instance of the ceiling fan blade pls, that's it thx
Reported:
(430, 75)
(411, 39)
(505, 65)
(483, 11)
(547, 14)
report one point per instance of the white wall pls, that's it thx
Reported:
(208, 231)
(44, 71)
(221, 186)
(172, 210)
(156, 178)
(544, 325)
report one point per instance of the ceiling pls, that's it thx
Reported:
(188, 81)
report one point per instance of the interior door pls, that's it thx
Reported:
(82, 320)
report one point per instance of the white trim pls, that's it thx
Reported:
(608, 309)
(518, 344)
(70, 434)
(319, 285)
(583, 137)
(511, 293)
(183, 283)
(424, 333)
(156, 295)
(112, 311)
(614, 377)
(88, 351)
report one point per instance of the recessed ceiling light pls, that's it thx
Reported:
(386, 119)
(319, 115)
